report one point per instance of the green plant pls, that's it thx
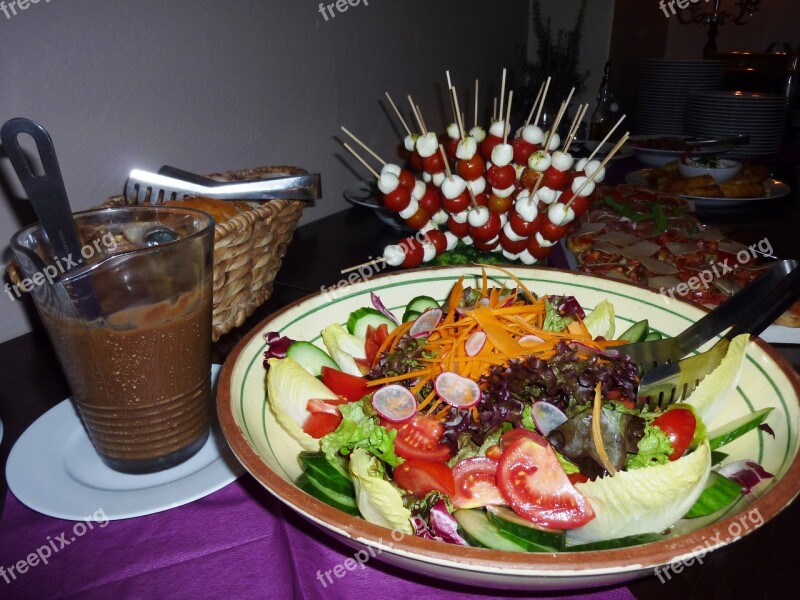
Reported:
(558, 56)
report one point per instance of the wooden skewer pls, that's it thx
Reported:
(537, 186)
(608, 157)
(369, 263)
(449, 83)
(541, 106)
(605, 139)
(397, 112)
(460, 118)
(475, 124)
(362, 161)
(416, 115)
(502, 93)
(562, 111)
(535, 103)
(507, 126)
(576, 124)
(421, 120)
(444, 159)
(364, 146)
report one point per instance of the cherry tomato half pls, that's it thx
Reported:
(535, 485)
(422, 476)
(343, 384)
(679, 425)
(418, 439)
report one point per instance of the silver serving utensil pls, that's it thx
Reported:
(156, 187)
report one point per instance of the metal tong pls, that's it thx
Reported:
(666, 379)
(171, 183)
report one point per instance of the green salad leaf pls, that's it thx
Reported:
(359, 429)
(553, 320)
(654, 449)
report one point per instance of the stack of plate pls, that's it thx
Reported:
(761, 116)
(665, 87)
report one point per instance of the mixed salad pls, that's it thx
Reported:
(502, 419)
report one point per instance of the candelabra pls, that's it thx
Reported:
(717, 17)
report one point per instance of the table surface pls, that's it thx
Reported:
(31, 383)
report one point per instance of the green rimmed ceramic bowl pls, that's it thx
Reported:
(269, 454)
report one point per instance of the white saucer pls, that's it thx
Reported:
(54, 469)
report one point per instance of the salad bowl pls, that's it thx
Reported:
(270, 455)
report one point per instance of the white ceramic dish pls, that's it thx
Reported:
(724, 169)
(54, 469)
(271, 456)
(657, 157)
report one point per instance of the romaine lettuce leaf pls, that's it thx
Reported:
(379, 501)
(343, 348)
(359, 429)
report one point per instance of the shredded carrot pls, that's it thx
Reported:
(516, 280)
(596, 432)
(427, 400)
(395, 378)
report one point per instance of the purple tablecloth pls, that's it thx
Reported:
(236, 543)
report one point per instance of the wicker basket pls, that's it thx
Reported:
(248, 249)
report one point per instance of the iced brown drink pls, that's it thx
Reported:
(138, 359)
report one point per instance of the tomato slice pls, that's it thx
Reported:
(317, 405)
(319, 424)
(537, 488)
(343, 384)
(679, 425)
(476, 483)
(422, 476)
(512, 435)
(419, 439)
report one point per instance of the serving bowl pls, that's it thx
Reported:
(660, 150)
(270, 455)
(721, 169)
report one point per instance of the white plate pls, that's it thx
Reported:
(54, 469)
(775, 189)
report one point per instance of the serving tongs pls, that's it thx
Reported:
(733, 140)
(666, 377)
(176, 184)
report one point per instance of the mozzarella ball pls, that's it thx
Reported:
(453, 186)
(583, 184)
(410, 142)
(453, 132)
(419, 190)
(509, 255)
(409, 210)
(427, 177)
(581, 164)
(428, 252)
(591, 167)
(460, 217)
(478, 186)
(478, 216)
(504, 193)
(562, 161)
(388, 182)
(427, 145)
(543, 242)
(527, 258)
(429, 226)
(546, 195)
(394, 255)
(440, 218)
(533, 134)
(502, 154)
(555, 142)
(518, 170)
(477, 133)
(391, 168)
(559, 214)
(438, 178)
(503, 219)
(511, 235)
(497, 128)
(526, 209)
(466, 148)
(539, 161)
(467, 240)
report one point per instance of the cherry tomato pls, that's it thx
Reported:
(679, 425)
(418, 439)
(580, 205)
(482, 199)
(500, 205)
(343, 384)
(416, 162)
(476, 483)
(514, 247)
(522, 150)
(529, 178)
(457, 229)
(320, 424)
(457, 204)
(555, 179)
(471, 169)
(407, 179)
(488, 230)
(414, 252)
(397, 200)
(552, 232)
(438, 239)
(433, 163)
(501, 177)
(535, 485)
(486, 246)
(450, 148)
(419, 219)
(536, 250)
(521, 226)
(422, 476)
(487, 145)
(431, 200)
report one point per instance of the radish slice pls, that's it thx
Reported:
(456, 390)
(547, 416)
(394, 403)
(425, 323)
(529, 339)
(475, 343)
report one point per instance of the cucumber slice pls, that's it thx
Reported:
(636, 332)
(474, 525)
(718, 493)
(410, 315)
(316, 489)
(736, 428)
(653, 335)
(521, 531)
(361, 318)
(421, 303)
(310, 357)
(332, 476)
(623, 542)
